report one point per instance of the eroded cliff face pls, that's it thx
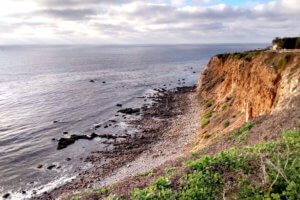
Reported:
(235, 88)
(255, 86)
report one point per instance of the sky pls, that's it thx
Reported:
(147, 21)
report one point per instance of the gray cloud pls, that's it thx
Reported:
(70, 3)
(67, 14)
(108, 20)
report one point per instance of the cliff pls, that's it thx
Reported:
(238, 87)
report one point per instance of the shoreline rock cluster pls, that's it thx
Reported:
(155, 118)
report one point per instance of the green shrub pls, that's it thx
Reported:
(204, 123)
(224, 107)
(147, 173)
(208, 104)
(193, 154)
(207, 115)
(226, 124)
(247, 55)
(223, 56)
(207, 176)
(242, 131)
(170, 169)
(206, 136)
(76, 198)
(102, 191)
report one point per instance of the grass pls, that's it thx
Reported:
(204, 123)
(207, 115)
(270, 170)
(281, 64)
(247, 55)
(223, 56)
(242, 131)
(100, 192)
(148, 173)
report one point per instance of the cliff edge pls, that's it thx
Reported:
(238, 87)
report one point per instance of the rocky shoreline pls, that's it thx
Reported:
(154, 120)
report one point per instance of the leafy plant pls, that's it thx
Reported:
(224, 107)
(204, 123)
(148, 173)
(207, 115)
(226, 124)
(208, 104)
(247, 55)
(76, 198)
(102, 191)
(276, 166)
(170, 169)
(242, 131)
(206, 136)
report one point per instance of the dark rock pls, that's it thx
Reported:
(97, 126)
(92, 81)
(68, 159)
(103, 81)
(93, 135)
(113, 121)
(53, 139)
(55, 121)
(119, 105)
(51, 166)
(194, 72)
(23, 192)
(5, 196)
(129, 110)
(105, 126)
(65, 132)
(39, 166)
(64, 142)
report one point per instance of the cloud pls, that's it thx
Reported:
(177, 2)
(67, 14)
(142, 21)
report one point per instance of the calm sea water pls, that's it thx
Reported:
(41, 84)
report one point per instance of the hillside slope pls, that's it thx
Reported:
(238, 87)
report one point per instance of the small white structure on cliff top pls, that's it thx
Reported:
(275, 47)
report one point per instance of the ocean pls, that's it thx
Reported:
(78, 87)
